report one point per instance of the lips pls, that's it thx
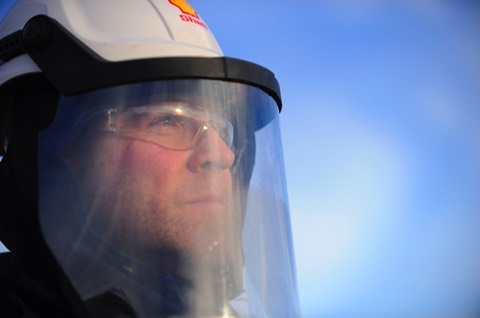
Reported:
(214, 200)
(208, 199)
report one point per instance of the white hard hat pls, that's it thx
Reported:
(154, 29)
(111, 42)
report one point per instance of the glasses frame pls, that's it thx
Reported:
(221, 126)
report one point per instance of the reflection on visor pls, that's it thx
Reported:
(170, 126)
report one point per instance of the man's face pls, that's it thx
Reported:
(142, 194)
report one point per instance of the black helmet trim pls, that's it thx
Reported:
(74, 68)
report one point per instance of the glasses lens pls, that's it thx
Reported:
(176, 128)
(224, 129)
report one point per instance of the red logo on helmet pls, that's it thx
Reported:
(184, 7)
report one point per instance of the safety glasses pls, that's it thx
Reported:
(170, 126)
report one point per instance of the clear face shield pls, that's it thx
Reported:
(168, 199)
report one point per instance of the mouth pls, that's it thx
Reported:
(208, 199)
(213, 201)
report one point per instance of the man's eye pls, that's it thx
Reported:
(163, 121)
(167, 125)
(167, 120)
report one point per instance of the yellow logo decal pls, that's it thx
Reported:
(184, 7)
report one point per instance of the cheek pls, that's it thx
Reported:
(142, 164)
(127, 181)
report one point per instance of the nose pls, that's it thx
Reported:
(211, 153)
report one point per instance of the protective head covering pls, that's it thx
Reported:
(149, 166)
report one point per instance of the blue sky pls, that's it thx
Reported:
(381, 141)
(381, 132)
